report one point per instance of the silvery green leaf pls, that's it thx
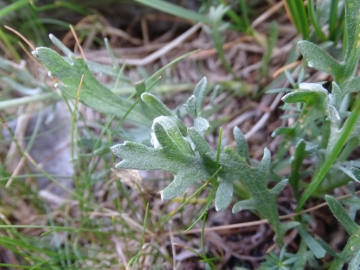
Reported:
(313, 245)
(285, 226)
(199, 93)
(241, 143)
(200, 143)
(93, 93)
(223, 194)
(201, 125)
(244, 205)
(174, 154)
(169, 136)
(339, 212)
(333, 115)
(190, 106)
(159, 108)
(315, 96)
(319, 59)
(279, 187)
(336, 95)
(156, 104)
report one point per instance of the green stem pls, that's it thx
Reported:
(333, 19)
(346, 132)
(314, 21)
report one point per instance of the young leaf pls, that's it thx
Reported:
(314, 246)
(319, 59)
(201, 125)
(316, 98)
(241, 143)
(190, 106)
(174, 154)
(279, 187)
(336, 95)
(92, 93)
(156, 104)
(199, 93)
(339, 212)
(222, 199)
(244, 205)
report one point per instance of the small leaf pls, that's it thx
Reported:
(190, 106)
(285, 226)
(316, 98)
(327, 248)
(223, 195)
(200, 143)
(336, 95)
(156, 104)
(308, 93)
(319, 59)
(279, 187)
(314, 246)
(199, 93)
(244, 205)
(241, 143)
(201, 125)
(339, 212)
(170, 137)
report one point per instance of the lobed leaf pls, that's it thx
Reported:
(174, 154)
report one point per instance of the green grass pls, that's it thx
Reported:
(107, 223)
